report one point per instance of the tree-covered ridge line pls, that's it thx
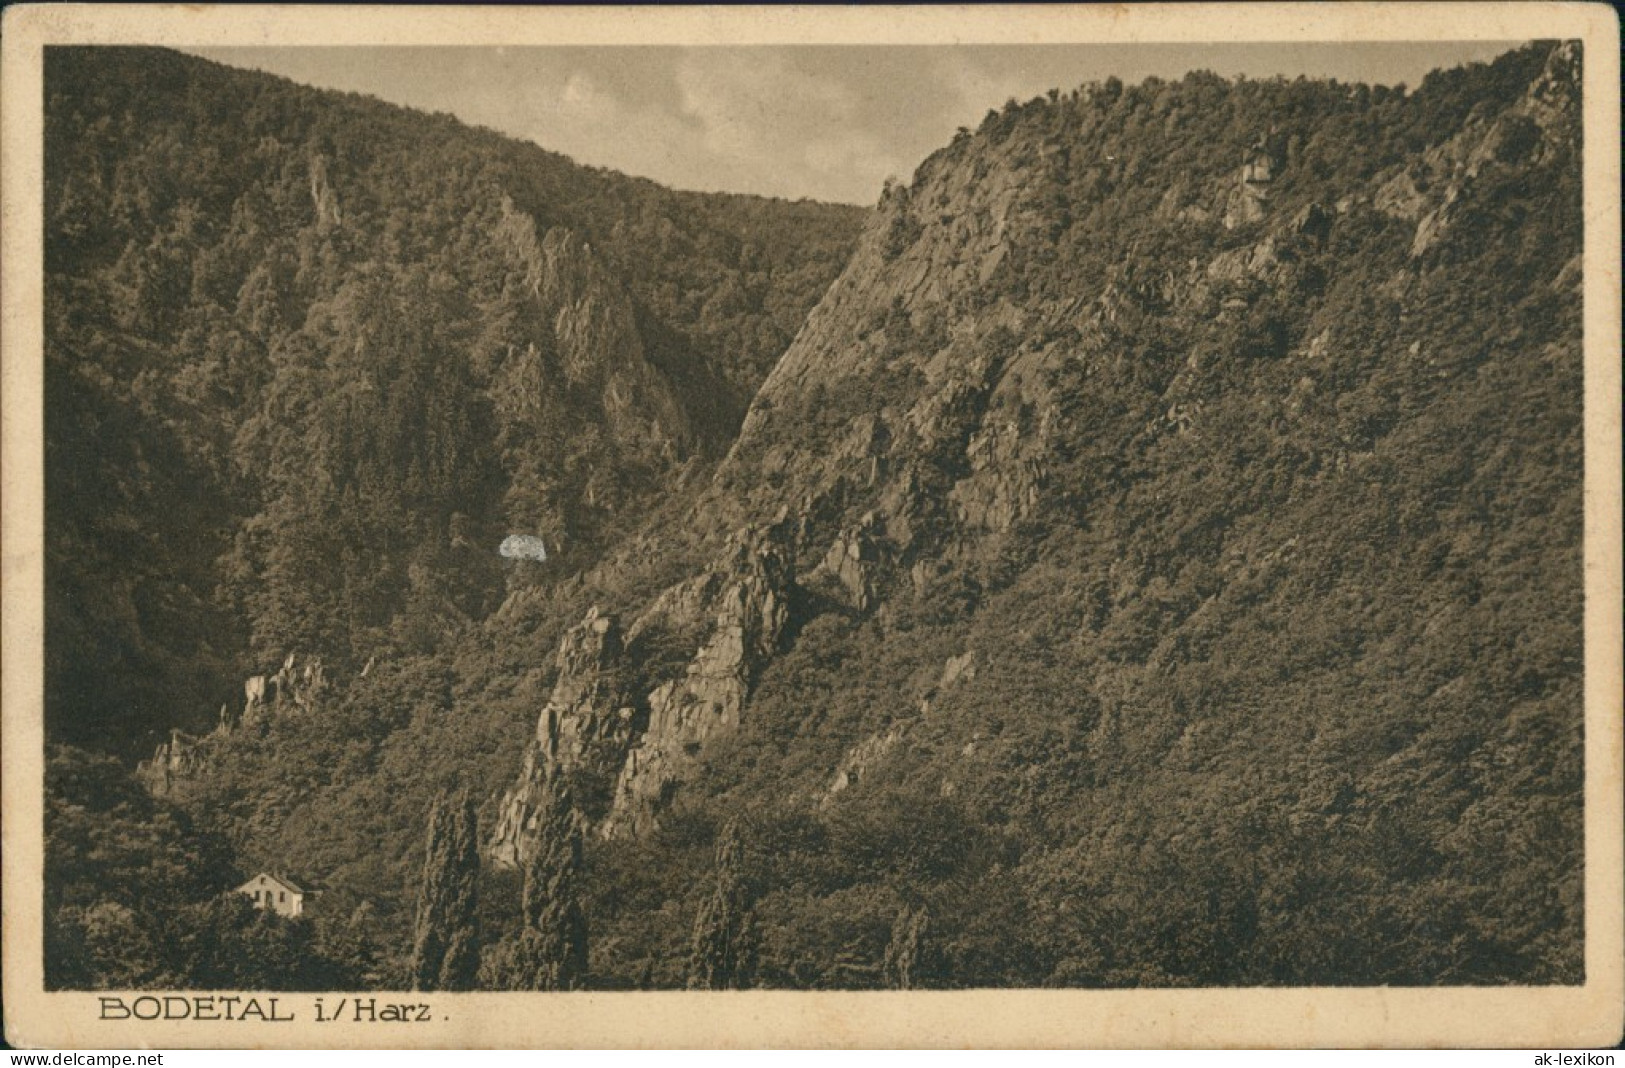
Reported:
(1134, 574)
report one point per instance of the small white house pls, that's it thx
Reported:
(276, 892)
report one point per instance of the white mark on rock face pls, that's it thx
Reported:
(523, 547)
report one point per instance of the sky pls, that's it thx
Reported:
(829, 122)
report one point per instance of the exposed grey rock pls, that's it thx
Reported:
(1249, 198)
(750, 612)
(293, 689)
(1006, 472)
(854, 561)
(958, 667)
(859, 761)
(324, 199)
(594, 344)
(1427, 190)
(586, 722)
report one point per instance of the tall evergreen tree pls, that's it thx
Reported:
(446, 943)
(723, 954)
(551, 952)
(905, 962)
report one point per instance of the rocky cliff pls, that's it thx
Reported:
(585, 725)
(295, 689)
(590, 340)
(646, 743)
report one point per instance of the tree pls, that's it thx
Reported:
(723, 953)
(446, 944)
(121, 870)
(551, 953)
(906, 954)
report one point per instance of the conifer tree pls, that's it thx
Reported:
(551, 952)
(904, 965)
(446, 942)
(723, 954)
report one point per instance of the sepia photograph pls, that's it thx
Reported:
(998, 507)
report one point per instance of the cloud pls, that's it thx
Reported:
(578, 115)
(579, 92)
(975, 90)
(779, 126)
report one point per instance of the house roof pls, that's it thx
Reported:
(280, 880)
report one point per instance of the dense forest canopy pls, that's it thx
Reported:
(1154, 560)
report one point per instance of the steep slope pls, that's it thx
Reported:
(1157, 556)
(311, 358)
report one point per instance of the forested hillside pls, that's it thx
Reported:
(311, 358)
(1156, 560)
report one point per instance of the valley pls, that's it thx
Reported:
(1142, 550)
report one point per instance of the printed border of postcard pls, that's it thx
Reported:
(1575, 1016)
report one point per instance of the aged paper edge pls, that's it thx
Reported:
(1589, 1015)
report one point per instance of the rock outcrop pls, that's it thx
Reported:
(645, 743)
(293, 689)
(591, 343)
(1429, 189)
(586, 723)
(1249, 199)
(859, 761)
(294, 684)
(750, 613)
(1007, 472)
(853, 562)
(324, 198)
(183, 757)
